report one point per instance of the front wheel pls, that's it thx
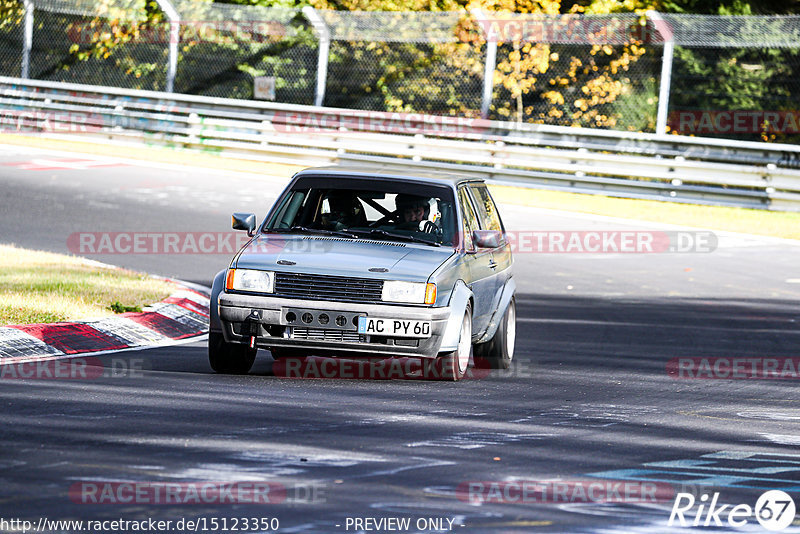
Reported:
(229, 358)
(454, 364)
(499, 351)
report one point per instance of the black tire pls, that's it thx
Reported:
(229, 358)
(499, 351)
(453, 365)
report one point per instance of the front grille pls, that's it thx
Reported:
(321, 287)
(319, 334)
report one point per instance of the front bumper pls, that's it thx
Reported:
(265, 317)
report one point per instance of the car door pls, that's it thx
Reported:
(482, 282)
(489, 219)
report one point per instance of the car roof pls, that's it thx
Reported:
(388, 172)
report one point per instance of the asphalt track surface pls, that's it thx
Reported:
(588, 397)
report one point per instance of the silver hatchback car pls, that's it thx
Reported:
(355, 263)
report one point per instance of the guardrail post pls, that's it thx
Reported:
(324, 36)
(174, 39)
(27, 40)
(491, 62)
(666, 70)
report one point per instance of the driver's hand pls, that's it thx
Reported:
(429, 227)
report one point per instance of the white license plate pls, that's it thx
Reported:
(393, 327)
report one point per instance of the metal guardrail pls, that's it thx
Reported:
(676, 168)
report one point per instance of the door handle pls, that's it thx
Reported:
(493, 264)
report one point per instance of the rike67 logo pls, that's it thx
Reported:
(774, 510)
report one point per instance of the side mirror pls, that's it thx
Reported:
(487, 238)
(244, 221)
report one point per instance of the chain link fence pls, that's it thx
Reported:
(574, 70)
(85, 42)
(402, 62)
(12, 16)
(224, 47)
(583, 86)
(736, 77)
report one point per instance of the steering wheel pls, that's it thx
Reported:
(431, 228)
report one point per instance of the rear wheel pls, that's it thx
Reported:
(229, 358)
(454, 364)
(499, 351)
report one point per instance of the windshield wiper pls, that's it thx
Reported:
(403, 237)
(306, 230)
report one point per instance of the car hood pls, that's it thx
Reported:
(337, 256)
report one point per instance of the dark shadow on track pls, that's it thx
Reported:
(589, 393)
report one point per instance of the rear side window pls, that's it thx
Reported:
(487, 211)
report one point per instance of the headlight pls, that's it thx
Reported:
(411, 292)
(250, 280)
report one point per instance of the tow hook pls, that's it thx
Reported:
(253, 326)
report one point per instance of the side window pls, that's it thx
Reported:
(487, 211)
(470, 220)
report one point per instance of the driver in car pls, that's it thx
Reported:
(415, 213)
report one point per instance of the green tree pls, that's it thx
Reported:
(733, 78)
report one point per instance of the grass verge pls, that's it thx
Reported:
(42, 287)
(750, 221)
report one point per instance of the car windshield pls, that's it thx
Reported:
(372, 209)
